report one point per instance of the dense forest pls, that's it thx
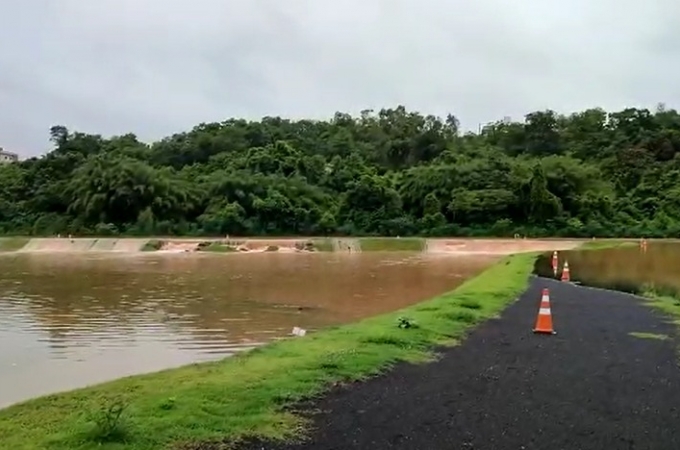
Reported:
(392, 173)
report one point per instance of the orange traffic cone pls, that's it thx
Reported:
(544, 320)
(565, 272)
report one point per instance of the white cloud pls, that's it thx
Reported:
(156, 67)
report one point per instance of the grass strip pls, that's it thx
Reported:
(603, 244)
(664, 299)
(152, 245)
(12, 244)
(217, 247)
(247, 395)
(645, 335)
(323, 245)
(392, 244)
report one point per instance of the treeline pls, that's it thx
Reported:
(389, 173)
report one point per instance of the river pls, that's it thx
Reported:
(70, 320)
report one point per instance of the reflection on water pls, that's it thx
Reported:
(69, 321)
(628, 268)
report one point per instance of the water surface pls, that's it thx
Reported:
(627, 268)
(71, 320)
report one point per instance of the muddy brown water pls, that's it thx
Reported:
(629, 268)
(74, 320)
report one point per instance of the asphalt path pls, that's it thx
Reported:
(591, 386)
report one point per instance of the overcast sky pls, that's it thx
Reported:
(154, 67)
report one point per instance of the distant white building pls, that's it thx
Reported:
(7, 157)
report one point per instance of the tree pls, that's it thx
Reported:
(390, 171)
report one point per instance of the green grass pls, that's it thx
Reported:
(152, 245)
(218, 247)
(323, 245)
(12, 244)
(247, 394)
(644, 335)
(665, 300)
(601, 244)
(392, 244)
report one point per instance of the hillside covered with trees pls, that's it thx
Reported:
(389, 173)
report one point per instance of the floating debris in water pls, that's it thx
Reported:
(297, 331)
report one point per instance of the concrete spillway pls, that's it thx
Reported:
(103, 245)
(129, 245)
(58, 245)
(79, 245)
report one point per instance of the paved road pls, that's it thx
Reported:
(591, 386)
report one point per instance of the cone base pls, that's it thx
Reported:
(545, 331)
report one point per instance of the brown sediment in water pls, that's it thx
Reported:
(281, 245)
(289, 245)
(85, 319)
(497, 246)
(659, 264)
(179, 247)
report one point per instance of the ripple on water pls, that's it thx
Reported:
(69, 323)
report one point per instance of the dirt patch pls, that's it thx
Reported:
(497, 246)
(592, 386)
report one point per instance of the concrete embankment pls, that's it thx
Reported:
(129, 245)
(79, 245)
(58, 245)
(103, 245)
(353, 245)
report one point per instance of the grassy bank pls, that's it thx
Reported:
(246, 394)
(602, 244)
(12, 244)
(665, 299)
(323, 245)
(392, 244)
(218, 247)
(152, 245)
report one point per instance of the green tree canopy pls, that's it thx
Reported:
(390, 172)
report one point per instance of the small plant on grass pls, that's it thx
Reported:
(168, 403)
(109, 422)
(405, 322)
(470, 304)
